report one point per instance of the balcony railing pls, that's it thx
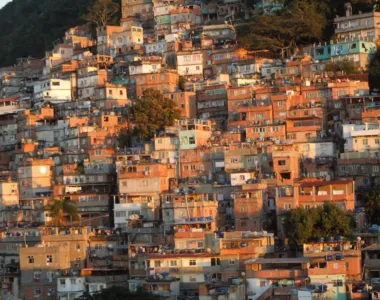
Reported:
(278, 274)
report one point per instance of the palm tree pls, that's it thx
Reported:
(61, 209)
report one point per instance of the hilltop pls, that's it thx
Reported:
(31, 26)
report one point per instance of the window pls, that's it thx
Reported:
(56, 83)
(365, 142)
(37, 292)
(173, 263)
(307, 206)
(192, 278)
(259, 116)
(191, 140)
(243, 224)
(287, 206)
(282, 162)
(120, 214)
(110, 92)
(145, 182)
(50, 292)
(157, 263)
(242, 208)
(62, 282)
(73, 281)
(192, 262)
(337, 282)
(98, 246)
(375, 168)
(280, 103)
(377, 141)
(31, 259)
(232, 262)
(262, 283)
(215, 261)
(37, 276)
(275, 129)
(121, 93)
(77, 262)
(49, 259)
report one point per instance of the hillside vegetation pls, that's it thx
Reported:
(31, 26)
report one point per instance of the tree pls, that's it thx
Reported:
(303, 225)
(374, 72)
(331, 221)
(26, 20)
(346, 66)
(371, 204)
(61, 209)
(298, 225)
(125, 138)
(299, 22)
(119, 293)
(152, 113)
(101, 12)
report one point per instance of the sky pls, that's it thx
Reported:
(3, 2)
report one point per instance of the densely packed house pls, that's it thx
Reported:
(196, 212)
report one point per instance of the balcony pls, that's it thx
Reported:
(305, 126)
(120, 264)
(188, 235)
(138, 272)
(372, 263)
(201, 269)
(120, 257)
(362, 295)
(367, 132)
(305, 113)
(247, 250)
(277, 274)
(371, 112)
(254, 109)
(327, 271)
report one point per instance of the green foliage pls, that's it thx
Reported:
(102, 12)
(300, 22)
(182, 82)
(61, 209)
(303, 225)
(152, 113)
(371, 204)
(125, 138)
(374, 71)
(119, 293)
(346, 66)
(31, 26)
